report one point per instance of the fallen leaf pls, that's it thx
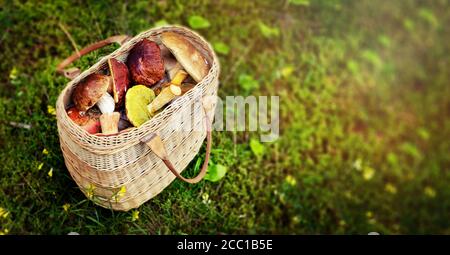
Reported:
(257, 148)
(221, 48)
(299, 2)
(198, 22)
(268, 31)
(160, 23)
(247, 82)
(215, 172)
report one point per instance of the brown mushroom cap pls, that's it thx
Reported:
(188, 56)
(90, 90)
(120, 80)
(145, 63)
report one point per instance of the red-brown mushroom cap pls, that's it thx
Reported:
(77, 116)
(89, 121)
(120, 80)
(145, 63)
(90, 90)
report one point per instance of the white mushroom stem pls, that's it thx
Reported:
(165, 96)
(109, 120)
(106, 103)
(110, 123)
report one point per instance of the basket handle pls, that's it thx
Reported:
(71, 73)
(157, 146)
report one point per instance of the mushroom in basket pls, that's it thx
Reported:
(145, 63)
(187, 55)
(89, 121)
(120, 81)
(93, 90)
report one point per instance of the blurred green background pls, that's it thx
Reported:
(364, 107)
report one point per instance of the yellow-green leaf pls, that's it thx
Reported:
(257, 148)
(299, 2)
(429, 17)
(287, 71)
(215, 172)
(247, 82)
(161, 23)
(268, 31)
(221, 48)
(198, 22)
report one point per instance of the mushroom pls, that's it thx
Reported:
(185, 87)
(93, 91)
(145, 63)
(160, 84)
(120, 80)
(124, 123)
(167, 93)
(170, 62)
(90, 91)
(89, 120)
(168, 58)
(136, 101)
(179, 77)
(186, 54)
(165, 96)
(110, 122)
(173, 70)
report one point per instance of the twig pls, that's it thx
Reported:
(72, 41)
(20, 125)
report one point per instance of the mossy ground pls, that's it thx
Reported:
(364, 106)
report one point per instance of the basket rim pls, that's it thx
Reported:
(65, 122)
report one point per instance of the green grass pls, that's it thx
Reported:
(365, 128)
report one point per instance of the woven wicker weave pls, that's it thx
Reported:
(102, 165)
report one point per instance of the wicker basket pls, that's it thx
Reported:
(125, 170)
